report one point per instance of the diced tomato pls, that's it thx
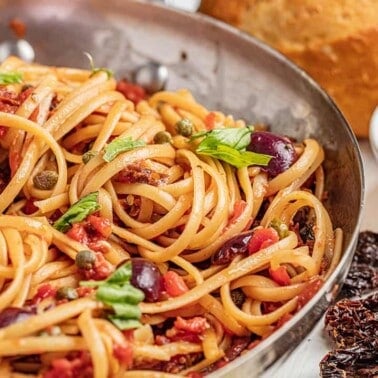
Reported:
(100, 271)
(239, 207)
(268, 307)
(14, 161)
(262, 238)
(280, 275)
(43, 292)
(25, 94)
(77, 232)
(101, 225)
(84, 291)
(198, 324)
(132, 92)
(161, 340)
(92, 232)
(29, 207)
(309, 291)
(124, 354)
(210, 121)
(174, 284)
(3, 131)
(76, 365)
(129, 334)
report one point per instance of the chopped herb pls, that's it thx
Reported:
(230, 146)
(78, 212)
(117, 293)
(120, 145)
(281, 227)
(98, 69)
(11, 77)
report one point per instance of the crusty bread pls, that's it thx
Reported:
(335, 41)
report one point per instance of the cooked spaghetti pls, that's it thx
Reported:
(136, 239)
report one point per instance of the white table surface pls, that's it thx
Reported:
(303, 362)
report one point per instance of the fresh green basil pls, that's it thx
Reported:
(120, 145)
(78, 212)
(230, 145)
(11, 77)
(117, 293)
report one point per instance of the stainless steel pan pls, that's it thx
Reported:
(226, 70)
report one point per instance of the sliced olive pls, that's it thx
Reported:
(66, 293)
(85, 259)
(185, 127)
(162, 137)
(45, 180)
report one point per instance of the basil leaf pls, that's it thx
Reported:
(126, 294)
(124, 324)
(121, 275)
(238, 138)
(120, 145)
(234, 157)
(123, 298)
(126, 311)
(11, 77)
(78, 212)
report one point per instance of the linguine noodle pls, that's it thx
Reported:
(177, 211)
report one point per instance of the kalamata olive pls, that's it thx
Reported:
(12, 315)
(238, 245)
(146, 276)
(279, 147)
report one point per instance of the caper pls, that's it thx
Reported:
(66, 292)
(185, 127)
(85, 259)
(45, 180)
(88, 156)
(162, 137)
(281, 228)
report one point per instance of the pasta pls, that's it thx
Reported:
(222, 251)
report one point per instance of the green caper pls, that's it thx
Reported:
(88, 156)
(66, 292)
(185, 127)
(45, 180)
(162, 137)
(281, 228)
(85, 259)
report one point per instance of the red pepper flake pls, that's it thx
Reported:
(124, 354)
(43, 292)
(210, 121)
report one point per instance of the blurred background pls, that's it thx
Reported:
(335, 41)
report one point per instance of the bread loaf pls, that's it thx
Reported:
(335, 41)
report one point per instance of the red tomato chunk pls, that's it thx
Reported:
(174, 284)
(262, 238)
